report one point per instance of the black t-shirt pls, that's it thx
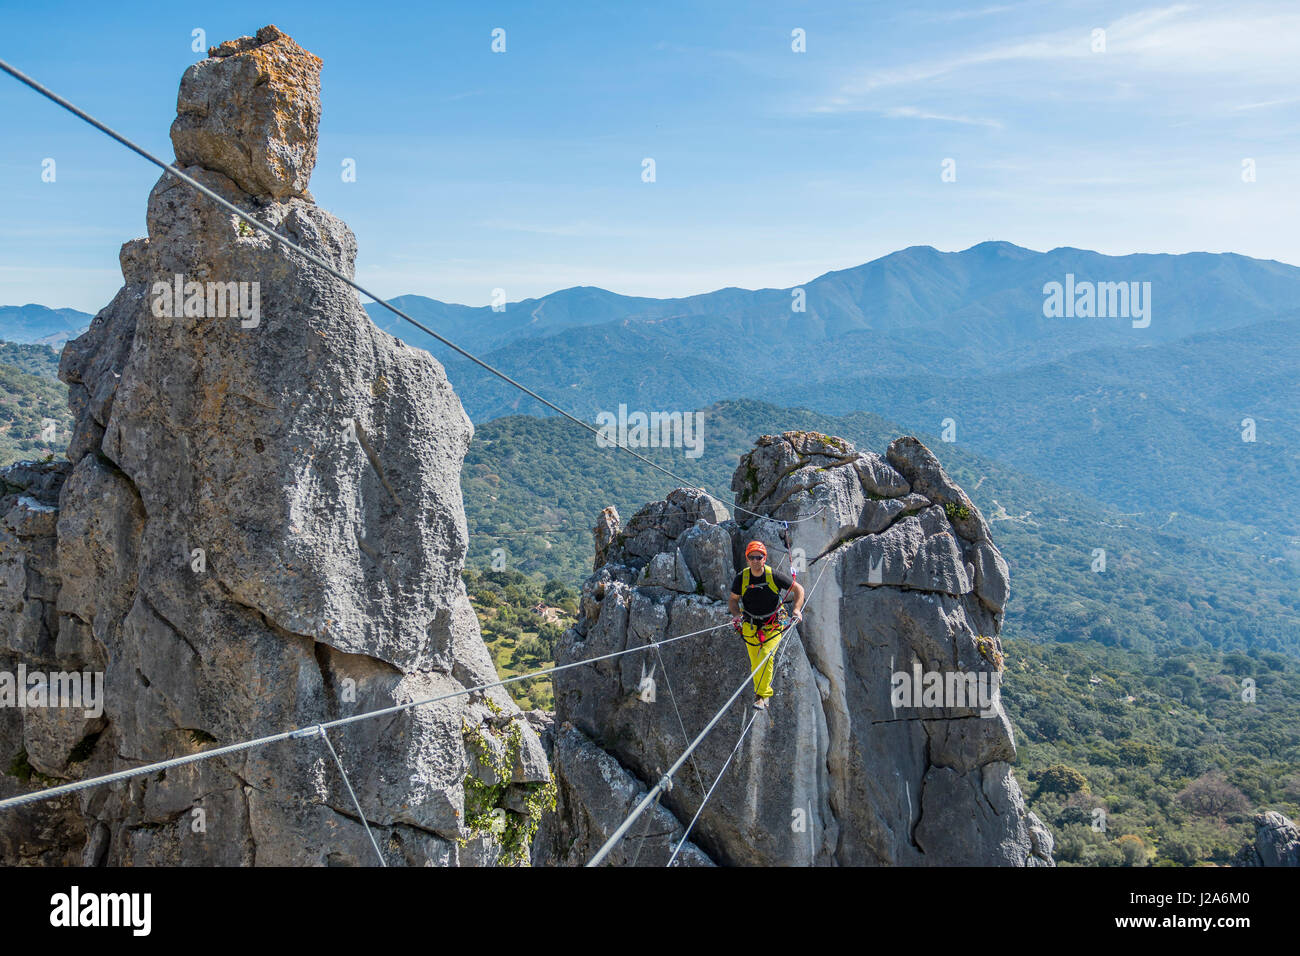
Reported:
(760, 600)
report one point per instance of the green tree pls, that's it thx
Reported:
(1133, 849)
(1059, 778)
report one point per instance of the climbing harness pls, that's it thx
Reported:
(765, 628)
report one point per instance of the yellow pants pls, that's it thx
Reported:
(763, 676)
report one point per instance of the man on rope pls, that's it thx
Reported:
(761, 618)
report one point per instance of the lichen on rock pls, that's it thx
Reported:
(252, 111)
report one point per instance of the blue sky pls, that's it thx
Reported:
(522, 170)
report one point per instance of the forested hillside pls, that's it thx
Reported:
(34, 416)
(533, 488)
(1126, 686)
(1139, 758)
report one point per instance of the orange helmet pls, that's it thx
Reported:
(756, 547)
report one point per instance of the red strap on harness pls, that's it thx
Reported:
(761, 633)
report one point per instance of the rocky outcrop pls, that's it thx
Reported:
(1277, 842)
(903, 579)
(262, 90)
(590, 770)
(261, 527)
(38, 741)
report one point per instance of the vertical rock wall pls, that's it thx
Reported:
(261, 528)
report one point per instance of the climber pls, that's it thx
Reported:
(761, 618)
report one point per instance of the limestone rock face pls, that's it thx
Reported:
(261, 528)
(589, 770)
(1277, 842)
(902, 578)
(36, 743)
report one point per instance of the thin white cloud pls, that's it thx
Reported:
(911, 112)
(846, 105)
(1250, 45)
(1268, 103)
(1246, 42)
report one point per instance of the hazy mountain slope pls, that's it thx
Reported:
(984, 304)
(1095, 421)
(1105, 421)
(37, 323)
(479, 328)
(39, 360)
(597, 368)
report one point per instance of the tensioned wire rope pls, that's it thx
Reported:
(725, 764)
(352, 793)
(665, 781)
(316, 729)
(734, 750)
(685, 737)
(317, 261)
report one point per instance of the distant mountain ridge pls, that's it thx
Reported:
(988, 300)
(1101, 421)
(983, 304)
(34, 324)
